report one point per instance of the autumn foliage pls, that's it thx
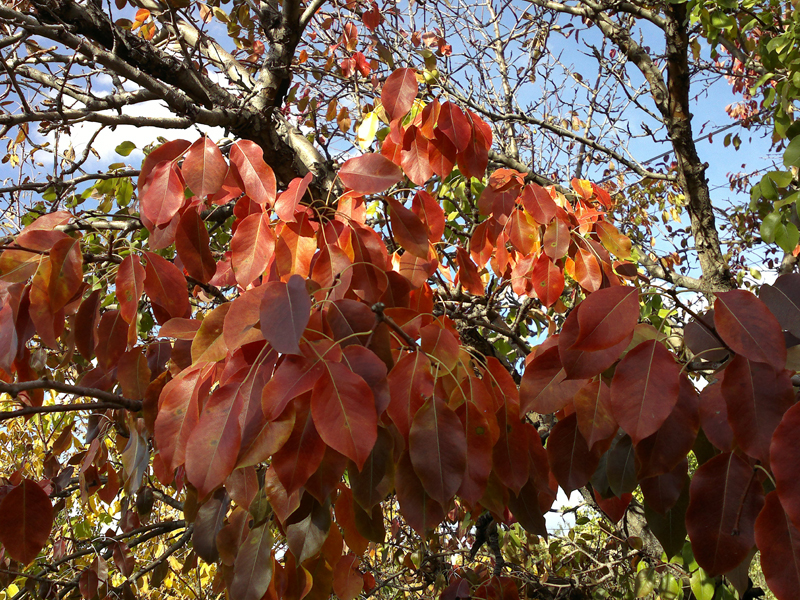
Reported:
(304, 381)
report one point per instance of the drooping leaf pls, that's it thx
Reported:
(162, 193)
(414, 156)
(66, 274)
(547, 280)
(749, 328)
(453, 124)
(645, 389)
(213, 446)
(725, 499)
(370, 174)
(666, 448)
(191, 242)
(257, 176)
(26, 518)
(302, 453)
(614, 241)
(347, 581)
(398, 93)
(783, 300)
(437, 447)
(555, 242)
(714, 417)
(421, 511)
(252, 247)
(757, 396)
(306, 536)
(285, 312)
(289, 200)
(778, 540)
(344, 412)
(784, 458)
(593, 409)
(607, 317)
(204, 168)
(479, 453)
(129, 287)
(662, 491)
(430, 213)
(544, 388)
(408, 230)
(571, 461)
(166, 285)
(252, 570)
(579, 364)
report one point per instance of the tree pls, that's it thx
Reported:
(282, 368)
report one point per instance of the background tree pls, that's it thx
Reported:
(281, 368)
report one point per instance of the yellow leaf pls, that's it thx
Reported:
(367, 130)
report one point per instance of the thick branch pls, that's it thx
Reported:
(117, 401)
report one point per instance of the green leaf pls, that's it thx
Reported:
(781, 178)
(787, 237)
(125, 148)
(702, 585)
(770, 226)
(645, 582)
(791, 156)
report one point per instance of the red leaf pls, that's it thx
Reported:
(178, 412)
(410, 384)
(252, 247)
(523, 233)
(414, 156)
(440, 344)
(66, 275)
(614, 507)
(430, 213)
(555, 242)
(472, 162)
(725, 498)
(166, 285)
(252, 571)
(133, 374)
(479, 453)
(714, 417)
(778, 540)
(510, 454)
(756, 396)
(344, 412)
(538, 203)
(662, 491)
(547, 280)
(607, 317)
(543, 388)
(302, 453)
(130, 287)
(213, 446)
(455, 126)
(347, 580)
(438, 449)
(587, 271)
(26, 517)
(112, 339)
(370, 174)
(408, 230)
(191, 242)
(441, 155)
(8, 337)
(399, 92)
(288, 201)
(257, 176)
(169, 151)
(571, 461)
(468, 274)
(577, 363)
(783, 299)
(667, 447)
(644, 389)
(204, 168)
(784, 458)
(162, 194)
(421, 511)
(593, 409)
(295, 376)
(749, 328)
(285, 312)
